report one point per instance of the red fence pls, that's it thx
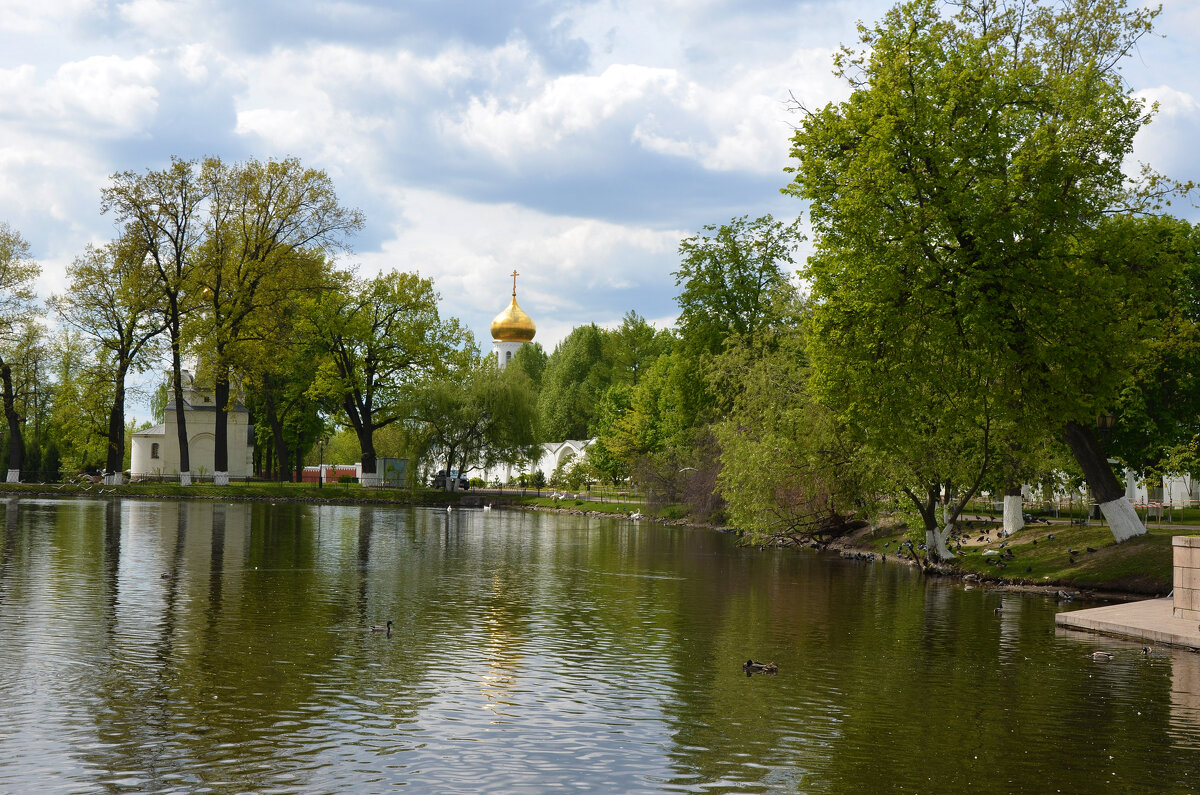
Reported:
(332, 473)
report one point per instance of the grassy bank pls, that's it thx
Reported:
(1058, 553)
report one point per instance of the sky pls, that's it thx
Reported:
(574, 142)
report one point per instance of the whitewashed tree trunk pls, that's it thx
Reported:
(1014, 519)
(14, 476)
(185, 478)
(1122, 519)
(935, 540)
(935, 543)
(115, 479)
(220, 478)
(370, 479)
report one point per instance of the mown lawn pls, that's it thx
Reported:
(1141, 565)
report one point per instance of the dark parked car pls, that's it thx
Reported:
(439, 482)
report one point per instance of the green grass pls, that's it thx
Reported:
(1141, 565)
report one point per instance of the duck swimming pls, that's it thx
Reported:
(1101, 655)
(378, 628)
(751, 667)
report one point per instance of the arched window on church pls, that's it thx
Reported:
(154, 450)
(507, 357)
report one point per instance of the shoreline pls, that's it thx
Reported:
(857, 545)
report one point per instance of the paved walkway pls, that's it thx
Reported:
(1149, 620)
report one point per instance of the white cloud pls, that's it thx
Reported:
(28, 17)
(113, 92)
(98, 96)
(566, 264)
(1170, 101)
(565, 106)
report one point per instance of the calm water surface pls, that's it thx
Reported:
(194, 647)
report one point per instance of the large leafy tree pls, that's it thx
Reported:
(267, 226)
(18, 308)
(277, 364)
(1157, 415)
(728, 276)
(382, 339)
(789, 471)
(955, 199)
(112, 299)
(632, 347)
(161, 211)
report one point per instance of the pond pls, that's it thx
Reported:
(200, 647)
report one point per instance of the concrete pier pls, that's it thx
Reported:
(1167, 622)
(1151, 621)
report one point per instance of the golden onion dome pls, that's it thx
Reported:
(513, 325)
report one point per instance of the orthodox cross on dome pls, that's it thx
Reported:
(515, 275)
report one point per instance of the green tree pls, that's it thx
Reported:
(112, 300)
(632, 347)
(576, 376)
(789, 470)
(479, 416)
(955, 200)
(18, 309)
(601, 458)
(1158, 409)
(382, 338)
(79, 412)
(531, 358)
(161, 210)
(728, 278)
(269, 226)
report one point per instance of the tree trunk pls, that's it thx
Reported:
(185, 461)
(116, 433)
(366, 442)
(935, 539)
(1122, 519)
(281, 466)
(16, 444)
(1014, 517)
(221, 434)
(360, 420)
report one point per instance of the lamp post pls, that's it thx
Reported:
(321, 469)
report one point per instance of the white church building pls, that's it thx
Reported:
(155, 452)
(553, 455)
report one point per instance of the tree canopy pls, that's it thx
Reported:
(957, 198)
